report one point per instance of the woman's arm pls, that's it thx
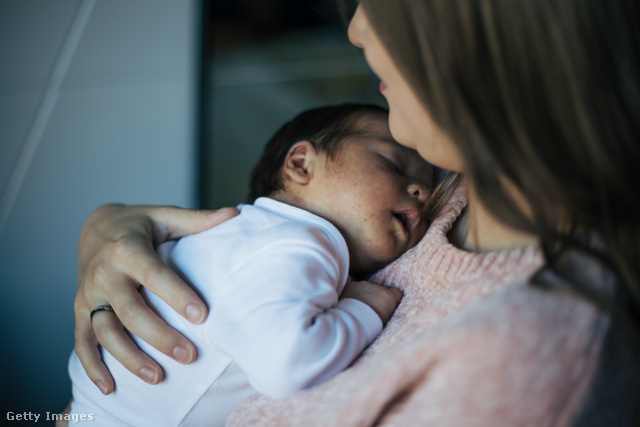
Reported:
(116, 254)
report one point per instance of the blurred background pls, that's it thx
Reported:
(138, 102)
(265, 62)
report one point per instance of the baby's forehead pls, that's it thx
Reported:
(373, 128)
(411, 160)
(365, 121)
(383, 140)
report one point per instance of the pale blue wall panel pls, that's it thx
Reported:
(120, 127)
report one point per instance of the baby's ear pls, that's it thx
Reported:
(300, 162)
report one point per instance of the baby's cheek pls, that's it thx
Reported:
(386, 249)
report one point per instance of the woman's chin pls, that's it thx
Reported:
(400, 134)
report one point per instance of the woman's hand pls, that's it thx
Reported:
(116, 254)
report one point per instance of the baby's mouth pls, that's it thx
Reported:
(408, 218)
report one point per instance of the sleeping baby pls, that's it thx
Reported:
(334, 198)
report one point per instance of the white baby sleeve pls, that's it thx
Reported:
(279, 315)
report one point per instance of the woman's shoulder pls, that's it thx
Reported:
(518, 356)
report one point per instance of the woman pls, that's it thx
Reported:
(521, 308)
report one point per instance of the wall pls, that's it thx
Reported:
(97, 105)
(265, 68)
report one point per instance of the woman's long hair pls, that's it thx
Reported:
(544, 94)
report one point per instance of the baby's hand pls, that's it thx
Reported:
(381, 299)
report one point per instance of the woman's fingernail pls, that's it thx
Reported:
(102, 387)
(195, 313)
(182, 354)
(149, 375)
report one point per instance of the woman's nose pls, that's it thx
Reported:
(418, 191)
(355, 28)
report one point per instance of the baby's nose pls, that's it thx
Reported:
(418, 191)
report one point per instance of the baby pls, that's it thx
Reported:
(333, 194)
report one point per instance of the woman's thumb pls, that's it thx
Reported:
(179, 222)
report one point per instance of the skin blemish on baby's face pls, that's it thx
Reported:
(362, 190)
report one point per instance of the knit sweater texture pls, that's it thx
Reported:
(472, 343)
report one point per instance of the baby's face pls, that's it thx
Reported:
(374, 191)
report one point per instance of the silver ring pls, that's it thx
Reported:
(98, 309)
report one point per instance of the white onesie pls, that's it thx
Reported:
(271, 277)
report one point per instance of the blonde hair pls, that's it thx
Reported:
(544, 93)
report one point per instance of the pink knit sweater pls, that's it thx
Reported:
(471, 344)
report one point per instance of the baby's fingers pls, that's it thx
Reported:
(395, 294)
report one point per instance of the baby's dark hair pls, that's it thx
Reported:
(324, 127)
